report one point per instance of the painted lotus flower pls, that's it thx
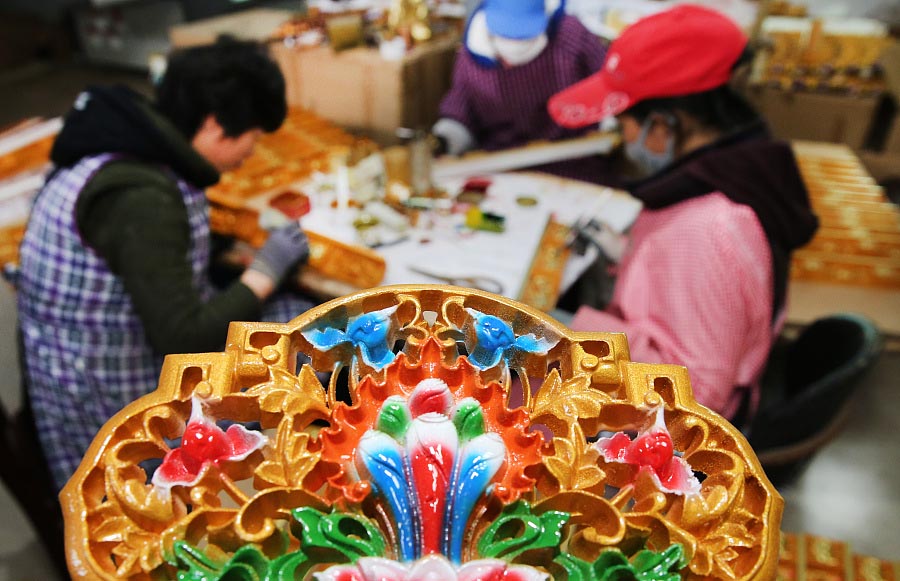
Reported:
(430, 568)
(431, 462)
(369, 333)
(652, 451)
(495, 341)
(204, 445)
(409, 390)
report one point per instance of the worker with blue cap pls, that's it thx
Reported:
(516, 54)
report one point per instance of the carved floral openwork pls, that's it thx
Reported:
(480, 440)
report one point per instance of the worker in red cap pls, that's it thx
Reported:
(703, 274)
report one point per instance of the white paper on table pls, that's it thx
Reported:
(570, 200)
(505, 257)
(619, 212)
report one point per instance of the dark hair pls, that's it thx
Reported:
(721, 108)
(236, 82)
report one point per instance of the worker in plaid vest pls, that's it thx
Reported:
(114, 265)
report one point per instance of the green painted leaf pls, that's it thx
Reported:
(239, 572)
(622, 573)
(247, 564)
(469, 419)
(351, 535)
(289, 567)
(664, 567)
(609, 559)
(393, 419)
(195, 565)
(647, 565)
(576, 569)
(647, 560)
(518, 530)
(251, 558)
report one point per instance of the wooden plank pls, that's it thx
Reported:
(538, 153)
(808, 301)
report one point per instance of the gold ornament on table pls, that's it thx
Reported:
(822, 60)
(480, 439)
(410, 20)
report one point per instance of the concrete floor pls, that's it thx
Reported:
(850, 491)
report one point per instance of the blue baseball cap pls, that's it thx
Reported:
(517, 19)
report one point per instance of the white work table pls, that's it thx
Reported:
(440, 245)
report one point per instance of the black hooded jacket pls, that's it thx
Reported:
(117, 119)
(131, 213)
(752, 169)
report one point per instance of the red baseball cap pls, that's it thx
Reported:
(687, 49)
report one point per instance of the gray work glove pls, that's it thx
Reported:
(285, 247)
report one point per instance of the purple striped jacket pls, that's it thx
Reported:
(507, 107)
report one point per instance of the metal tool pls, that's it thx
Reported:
(584, 233)
(479, 282)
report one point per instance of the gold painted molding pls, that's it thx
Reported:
(569, 386)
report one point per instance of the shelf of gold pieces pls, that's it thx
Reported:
(858, 241)
(810, 557)
(483, 440)
(821, 61)
(31, 157)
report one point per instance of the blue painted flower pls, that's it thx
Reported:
(368, 332)
(495, 340)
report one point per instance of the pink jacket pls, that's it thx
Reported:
(695, 289)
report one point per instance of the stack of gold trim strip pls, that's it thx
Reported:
(858, 241)
(29, 158)
(305, 143)
(808, 557)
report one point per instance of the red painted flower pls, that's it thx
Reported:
(430, 395)
(204, 444)
(652, 450)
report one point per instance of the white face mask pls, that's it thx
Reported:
(649, 162)
(515, 52)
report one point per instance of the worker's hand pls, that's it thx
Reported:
(457, 138)
(438, 145)
(285, 247)
(611, 243)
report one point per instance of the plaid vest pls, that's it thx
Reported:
(85, 351)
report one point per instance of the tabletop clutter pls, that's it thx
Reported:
(393, 27)
(380, 207)
(374, 215)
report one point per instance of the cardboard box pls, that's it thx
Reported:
(892, 141)
(359, 89)
(257, 24)
(890, 65)
(882, 165)
(816, 117)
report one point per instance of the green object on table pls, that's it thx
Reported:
(479, 220)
